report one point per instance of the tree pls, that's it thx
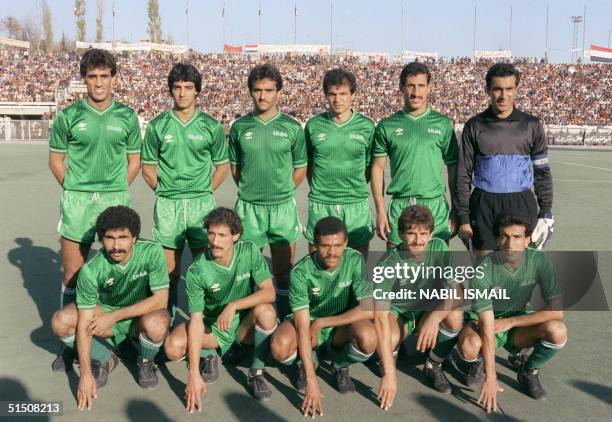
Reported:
(11, 27)
(79, 12)
(100, 22)
(155, 24)
(47, 25)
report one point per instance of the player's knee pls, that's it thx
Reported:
(395, 339)
(155, 325)
(454, 321)
(366, 339)
(282, 347)
(63, 322)
(555, 331)
(469, 345)
(265, 315)
(174, 347)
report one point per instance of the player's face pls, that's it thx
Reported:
(416, 238)
(502, 93)
(330, 249)
(221, 241)
(265, 95)
(512, 239)
(416, 89)
(118, 244)
(99, 83)
(184, 94)
(339, 98)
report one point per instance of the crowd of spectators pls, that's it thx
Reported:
(561, 94)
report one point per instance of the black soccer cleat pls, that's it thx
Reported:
(475, 375)
(300, 382)
(344, 381)
(434, 373)
(64, 360)
(209, 368)
(259, 387)
(147, 373)
(518, 360)
(530, 381)
(101, 370)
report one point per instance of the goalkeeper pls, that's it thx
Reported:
(504, 155)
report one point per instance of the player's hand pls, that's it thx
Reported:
(502, 325)
(488, 395)
(313, 401)
(428, 333)
(315, 330)
(465, 234)
(102, 323)
(224, 320)
(382, 226)
(87, 391)
(452, 223)
(387, 391)
(196, 388)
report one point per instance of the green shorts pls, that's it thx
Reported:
(438, 207)
(225, 339)
(121, 329)
(263, 224)
(325, 335)
(177, 220)
(409, 319)
(80, 210)
(356, 216)
(504, 339)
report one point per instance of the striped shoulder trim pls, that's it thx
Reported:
(162, 287)
(58, 150)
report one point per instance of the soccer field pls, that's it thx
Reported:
(578, 381)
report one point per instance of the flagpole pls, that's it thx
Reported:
(113, 39)
(295, 23)
(223, 23)
(187, 21)
(259, 23)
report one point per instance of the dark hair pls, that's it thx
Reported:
(329, 225)
(507, 220)
(265, 71)
(413, 69)
(95, 58)
(339, 76)
(185, 72)
(226, 217)
(415, 214)
(118, 217)
(501, 70)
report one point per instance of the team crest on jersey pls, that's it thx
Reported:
(280, 133)
(82, 126)
(357, 137)
(242, 276)
(322, 136)
(114, 128)
(215, 287)
(139, 275)
(316, 291)
(527, 282)
(434, 131)
(195, 137)
(399, 131)
(248, 136)
(345, 283)
(169, 138)
(110, 282)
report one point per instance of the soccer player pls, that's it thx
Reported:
(226, 308)
(181, 147)
(514, 269)
(94, 153)
(331, 302)
(339, 146)
(436, 325)
(417, 140)
(268, 160)
(121, 295)
(504, 155)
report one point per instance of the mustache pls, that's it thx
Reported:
(112, 251)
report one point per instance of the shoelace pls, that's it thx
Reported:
(343, 377)
(147, 368)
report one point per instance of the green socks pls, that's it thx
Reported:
(348, 355)
(67, 296)
(147, 349)
(261, 346)
(543, 351)
(445, 342)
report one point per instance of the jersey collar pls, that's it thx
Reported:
(320, 267)
(515, 116)
(95, 110)
(188, 122)
(411, 117)
(257, 119)
(231, 265)
(350, 119)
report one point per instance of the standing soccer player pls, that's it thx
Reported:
(181, 147)
(417, 141)
(230, 295)
(94, 153)
(339, 146)
(122, 294)
(268, 159)
(504, 155)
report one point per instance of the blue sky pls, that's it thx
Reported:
(365, 25)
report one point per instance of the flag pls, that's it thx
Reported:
(295, 10)
(600, 54)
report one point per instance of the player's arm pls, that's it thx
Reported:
(57, 165)
(388, 382)
(361, 312)
(265, 294)
(377, 181)
(134, 148)
(429, 324)
(313, 400)
(219, 156)
(196, 387)
(219, 174)
(463, 182)
(149, 174)
(87, 384)
(234, 153)
(133, 166)
(299, 173)
(235, 168)
(299, 156)
(543, 184)
(490, 386)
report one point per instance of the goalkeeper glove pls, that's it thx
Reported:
(543, 231)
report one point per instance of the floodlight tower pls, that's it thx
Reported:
(575, 21)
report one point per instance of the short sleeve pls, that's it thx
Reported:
(233, 149)
(134, 142)
(194, 289)
(218, 151)
(362, 288)
(380, 145)
(150, 148)
(298, 291)
(58, 142)
(298, 149)
(451, 147)
(370, 145)
(87, 289)
(547, 280)
(158, 271)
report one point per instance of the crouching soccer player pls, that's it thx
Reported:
(331, 302)
(122, 293)
(436, 324)
(225, 308)
(511, 323)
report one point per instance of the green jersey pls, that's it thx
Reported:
(211, 286)
(535, 269)
(416, 147)
(338, 155)
(97, 143)
(435, 271)
(328, 293)
(184, 153)
(266, 153)
(102, 280)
